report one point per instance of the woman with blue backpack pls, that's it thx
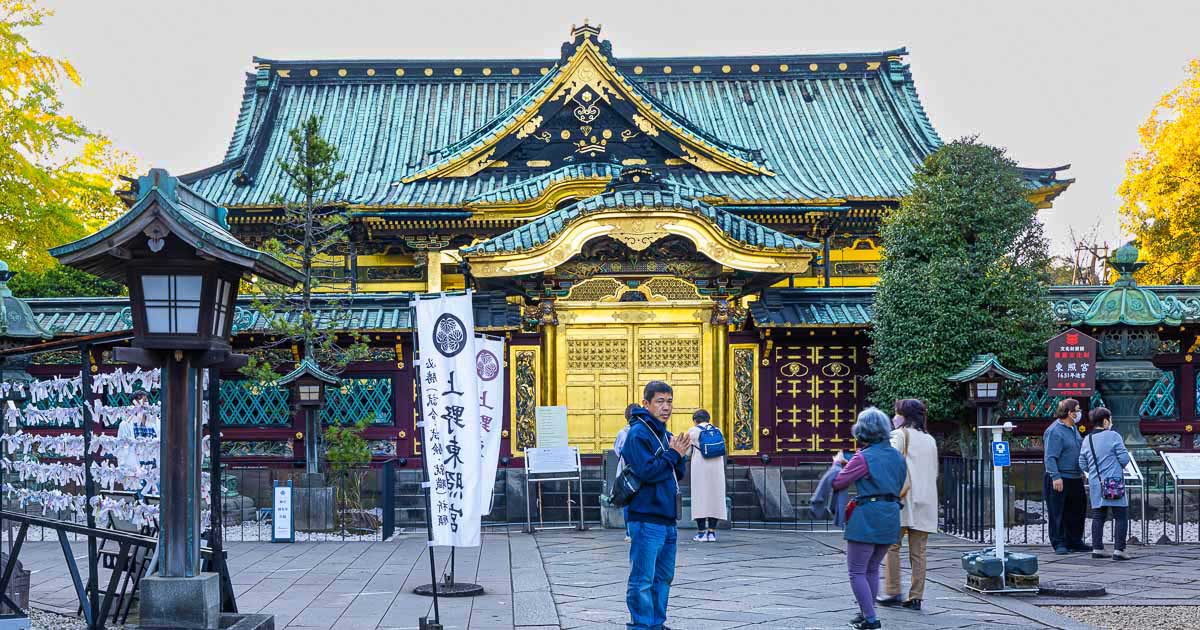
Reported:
(707, 477)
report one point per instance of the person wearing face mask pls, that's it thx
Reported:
(1066, 505)
(1104, 458)
(919, 502)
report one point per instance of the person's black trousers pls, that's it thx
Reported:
(1065, 512)
(1120, 519)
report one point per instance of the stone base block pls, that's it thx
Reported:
(193, 603)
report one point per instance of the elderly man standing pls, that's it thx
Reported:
(1066, 505)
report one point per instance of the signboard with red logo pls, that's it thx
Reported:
(1071, 365)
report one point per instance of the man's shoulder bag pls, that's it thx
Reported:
(626, 485)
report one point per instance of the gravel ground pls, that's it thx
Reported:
(42, 620)
(1122, 617)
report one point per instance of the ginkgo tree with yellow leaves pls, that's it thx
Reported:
(1161, 191)
(56, 176)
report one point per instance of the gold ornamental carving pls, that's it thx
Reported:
(634, 317)
(637, 234)
(529, 128)
(597, 354)
(644, 125)
(668, 352)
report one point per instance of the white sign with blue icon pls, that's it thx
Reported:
(1000, 454)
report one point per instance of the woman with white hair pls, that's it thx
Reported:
(878, 472)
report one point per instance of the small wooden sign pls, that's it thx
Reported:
(1071, 365)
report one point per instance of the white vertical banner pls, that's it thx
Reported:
(450, 416)
(489, 367)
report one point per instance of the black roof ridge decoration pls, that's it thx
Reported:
(585, 79)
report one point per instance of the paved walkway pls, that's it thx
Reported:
(751, 579)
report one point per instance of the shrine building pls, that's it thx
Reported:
(709, 221)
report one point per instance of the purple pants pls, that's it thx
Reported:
(862, 561)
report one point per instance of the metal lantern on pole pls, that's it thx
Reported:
(985, 378)
(307, 384)
(183, 268)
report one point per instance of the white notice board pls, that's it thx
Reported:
(553, 460)
(1183, 465)
(1132, 472)
(282, 526)
(551, 424)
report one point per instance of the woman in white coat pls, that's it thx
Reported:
(707, 482)
(919, 502)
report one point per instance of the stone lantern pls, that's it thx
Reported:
(1125, 319)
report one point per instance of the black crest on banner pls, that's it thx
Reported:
(449, 335)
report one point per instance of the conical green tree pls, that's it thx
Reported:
(964, 272)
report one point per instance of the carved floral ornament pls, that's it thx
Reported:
(583, 81)
(639, 229)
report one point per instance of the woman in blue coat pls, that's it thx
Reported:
(1103, 456)
(878, 472)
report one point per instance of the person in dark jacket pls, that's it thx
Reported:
(656, 459)
(1066, 505)
(878, 472)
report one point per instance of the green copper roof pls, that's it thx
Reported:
(813, 307)
(16, 319)
(308, 367)
(644, 194)
(981, 365)
(829, 126)
(375, 312)
(1127, 303)
(191, 217)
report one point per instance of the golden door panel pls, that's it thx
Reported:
(673, 354)
(606, 367)
(597, 362)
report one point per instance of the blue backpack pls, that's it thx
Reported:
(712, 443)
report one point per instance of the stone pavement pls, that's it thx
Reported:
(568, 579)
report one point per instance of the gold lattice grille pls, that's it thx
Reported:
(669, 352)
(672, 288)
(597, 354)
(595, 289)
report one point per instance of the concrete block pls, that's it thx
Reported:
(185, 602)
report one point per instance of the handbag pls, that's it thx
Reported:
(850, 505)
(904, 454)
(1111, 488)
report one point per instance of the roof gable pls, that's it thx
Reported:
(583, 109)
(831, 127)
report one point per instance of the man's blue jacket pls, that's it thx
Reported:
(647, 452)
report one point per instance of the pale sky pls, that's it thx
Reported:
(1055, 82)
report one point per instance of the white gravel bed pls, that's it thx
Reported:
(1122, 617)
(43, 620)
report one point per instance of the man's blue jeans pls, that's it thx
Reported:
(651, 570)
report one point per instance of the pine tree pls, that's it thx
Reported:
(964, 271)
(310, 234)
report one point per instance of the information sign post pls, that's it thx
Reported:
(283, 528)
(1185, 470)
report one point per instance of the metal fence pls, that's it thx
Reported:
(965, 493)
